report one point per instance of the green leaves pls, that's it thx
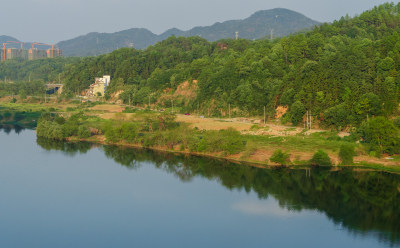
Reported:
(280, 157)
(381, 135)
(321, 158)
(297, 112)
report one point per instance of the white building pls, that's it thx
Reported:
(99, 87)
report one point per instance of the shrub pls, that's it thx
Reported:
(231, 141)
(60, 120)
(50, 130)
(112, 134)
(381, 135)
(280, 157)
(346, 153)
(193, 143)
(202, 145)
(83, 132)
(70, 129)
(321, 158)
(129, 132)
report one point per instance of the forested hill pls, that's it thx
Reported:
(342, 72)
(259, 25)
(280, 21)
(5, 38)
(99, 43)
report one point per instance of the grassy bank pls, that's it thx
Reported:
(161, 131)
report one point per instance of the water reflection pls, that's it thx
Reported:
(364, 203)
(9, 128)
(17, 121)
(263, 209)
(68, 148)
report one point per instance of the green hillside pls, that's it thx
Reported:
(342, 72)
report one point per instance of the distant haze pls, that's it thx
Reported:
(51, 21)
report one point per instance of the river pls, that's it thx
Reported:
(56, 194)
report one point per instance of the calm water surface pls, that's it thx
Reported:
(79, 195)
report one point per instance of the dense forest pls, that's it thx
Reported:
(45, 70)
(342, 72)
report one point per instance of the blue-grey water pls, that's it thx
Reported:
(79, 195)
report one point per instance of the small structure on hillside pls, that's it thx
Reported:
(222, 46)
(99, 87)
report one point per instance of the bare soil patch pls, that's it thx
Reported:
(111, 108)
(117, 116)
(212, 124)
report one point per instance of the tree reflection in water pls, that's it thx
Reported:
(365, 203)
(8, 128)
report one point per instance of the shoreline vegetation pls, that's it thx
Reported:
(144, 128)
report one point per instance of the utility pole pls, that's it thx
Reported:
(264, 115)
(229, 110)
(308, 120)
(272, 34)
(306, 123)
(237, 35)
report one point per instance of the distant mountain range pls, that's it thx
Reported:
(5, 38)
(280, 22)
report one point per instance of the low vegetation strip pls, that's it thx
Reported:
(162, 131)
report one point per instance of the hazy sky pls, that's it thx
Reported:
(51, 21)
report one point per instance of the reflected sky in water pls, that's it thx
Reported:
(50, 199)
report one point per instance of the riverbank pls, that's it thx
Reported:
(186, 137)
(361, 163)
